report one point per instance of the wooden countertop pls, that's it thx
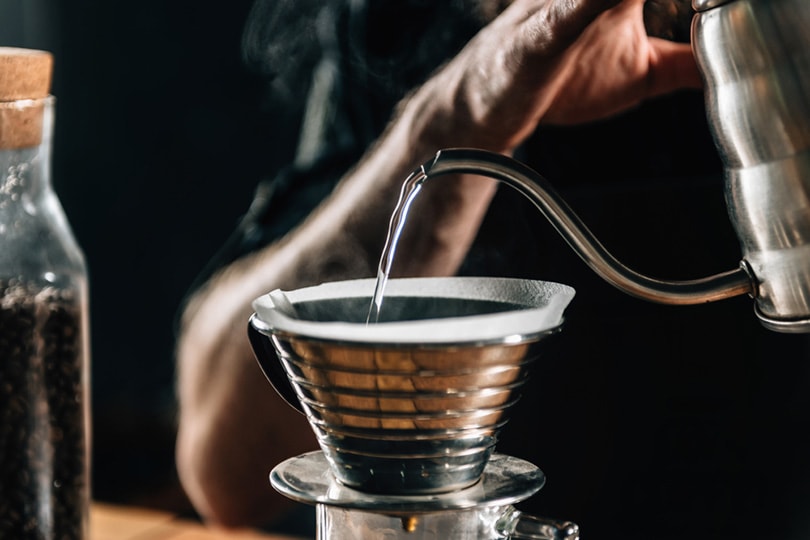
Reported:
(111, 522)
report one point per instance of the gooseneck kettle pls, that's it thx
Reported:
(754, 56)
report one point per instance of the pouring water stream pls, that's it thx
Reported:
(410, 189)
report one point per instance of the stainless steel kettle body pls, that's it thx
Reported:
(755, 59)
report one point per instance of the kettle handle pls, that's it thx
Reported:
(271, 365)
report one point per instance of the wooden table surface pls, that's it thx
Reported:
(110, 522)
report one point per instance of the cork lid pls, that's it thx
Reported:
(25, 74)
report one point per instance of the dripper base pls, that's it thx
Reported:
(308, 479)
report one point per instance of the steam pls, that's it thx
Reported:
(280, 42)
(392, 46)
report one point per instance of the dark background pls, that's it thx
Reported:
(161, 135)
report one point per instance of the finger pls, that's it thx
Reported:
(672, 67)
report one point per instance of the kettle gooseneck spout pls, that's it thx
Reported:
(536, 188)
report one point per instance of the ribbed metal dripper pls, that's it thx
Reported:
(411, 415)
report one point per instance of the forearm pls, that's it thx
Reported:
(233, 428)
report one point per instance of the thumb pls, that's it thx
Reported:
(672, 67)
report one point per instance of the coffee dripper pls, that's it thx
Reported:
(407, 411)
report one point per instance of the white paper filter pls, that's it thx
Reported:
(542, 305)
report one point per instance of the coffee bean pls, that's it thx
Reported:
(44, 478)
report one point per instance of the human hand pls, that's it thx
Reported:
(560, 62)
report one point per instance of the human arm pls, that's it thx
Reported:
(539, 61)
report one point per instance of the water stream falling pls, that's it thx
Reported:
(410, 188)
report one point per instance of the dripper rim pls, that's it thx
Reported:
(544, 301)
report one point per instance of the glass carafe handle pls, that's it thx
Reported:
(519, 526)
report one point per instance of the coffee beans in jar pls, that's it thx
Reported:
(44, 481)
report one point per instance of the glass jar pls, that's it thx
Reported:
(44, 336)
